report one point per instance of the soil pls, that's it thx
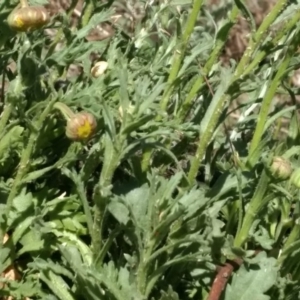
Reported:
(129, 12)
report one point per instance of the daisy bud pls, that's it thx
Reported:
(28, 18)
(99, 68)
(280, 168)
(81, 126)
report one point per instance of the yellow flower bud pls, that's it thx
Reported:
(81, 126)
(99, 68)
(28, 18)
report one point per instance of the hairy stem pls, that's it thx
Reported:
(87, 12)
(110, 163)
(256, 204)
(293, 237)
(66, 111)
(266, 103)
(261, 54)
(186, 106)
(5, 117)
(180, 52)
(215, 109)
(87, 211)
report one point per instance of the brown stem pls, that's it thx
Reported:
(222, 277)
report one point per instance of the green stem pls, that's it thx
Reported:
(142, 272)
(87, 12)
(206, 135)
(25, 159)
(110, 163)
(180, 52)
(258, 36)
(147, 250)
(24, 3)
(106, 246)
(257, 202)
(287, 27)
(87, 211)
(266, 103)
(293, 237)
(208, 65)
(65, 110)
(5, 117)
(215, 109)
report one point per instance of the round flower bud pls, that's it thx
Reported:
(295, 178)
(280, 168)
(99, 68)
(28, 18)
(81, 126)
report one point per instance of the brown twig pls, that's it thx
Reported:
(222, 277)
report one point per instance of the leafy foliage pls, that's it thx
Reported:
(170, 190)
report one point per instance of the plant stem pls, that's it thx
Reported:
(64, 109)
(23, 3)
(5, 117)
(266, 103)
(293, 237)
(87, 211)
(256, 204)
(25, 159)
(87, 12)
(142, 272)
(180, 52)
(215, 109)
(110, 163)
(146, 252)
(208, 65)
(257, 37)
(106, 246)
(287, 27)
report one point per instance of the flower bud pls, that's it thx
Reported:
(280, 168)
(295, 178)
(81, 126)
(99, 68)
(28, 18)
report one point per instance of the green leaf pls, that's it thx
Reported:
(10, 140)
(56, 284)
(20, 205)
(246, 12)
(68, 238)
(169, 295)
(138, 199)
(119, 211)
(253, 281)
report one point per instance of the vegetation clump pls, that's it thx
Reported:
(141, 165)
